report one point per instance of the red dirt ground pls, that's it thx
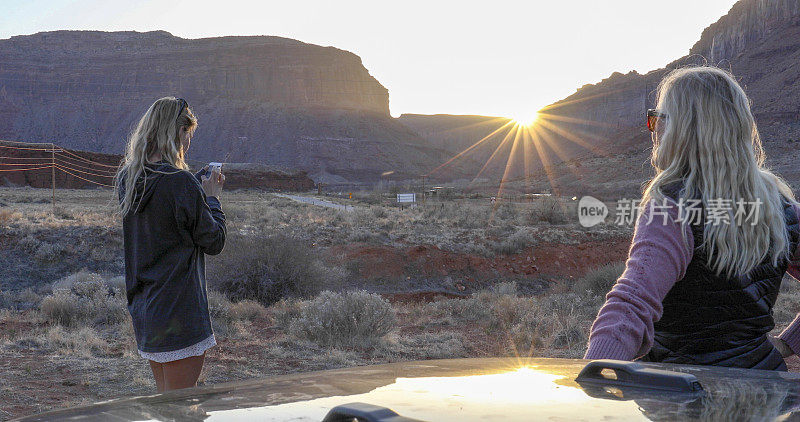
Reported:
(546, 260)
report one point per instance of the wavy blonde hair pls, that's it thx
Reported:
(157, 131)
(709, 140)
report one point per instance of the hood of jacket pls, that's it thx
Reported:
(146, 184)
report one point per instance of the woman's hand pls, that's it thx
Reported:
(782, 347)
(212, 182)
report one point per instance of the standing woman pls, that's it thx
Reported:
(716, 234)
(171, 219)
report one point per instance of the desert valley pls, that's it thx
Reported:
(490, 260)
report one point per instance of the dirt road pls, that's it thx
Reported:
(315, 201)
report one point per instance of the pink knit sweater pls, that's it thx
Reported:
(657, 259)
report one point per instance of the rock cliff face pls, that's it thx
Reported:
(745, 25)
(258, 99)
(758, 40)
(596, 138)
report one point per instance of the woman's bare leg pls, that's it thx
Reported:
(182, 373)
(158, 374)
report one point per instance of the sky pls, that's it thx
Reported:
(495, 58)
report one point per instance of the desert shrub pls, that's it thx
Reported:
(356, 319)
(600, 280)
(547, 210)
(64, 308)
(440, 345)
(29, 243)
(378, 212)
(6, 300)
(515, 243)
(361, 217)
(28, 296)
(366, 236)
(459, 215)
(83, 341)
(116, 282)
(473, 249)
(84, 298)
(506, 211)
(508, 288)
(285, 311)
(219, 306)
(63, 213)
(247, 310)
(266, 269)
(547, 325)
(47, 253)
(6, 215)
(551, 333)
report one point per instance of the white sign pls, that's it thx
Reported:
(406, 197)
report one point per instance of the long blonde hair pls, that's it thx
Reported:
(157, 131)
(710, 142)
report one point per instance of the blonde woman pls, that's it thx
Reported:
(715, 236)
(171, 219)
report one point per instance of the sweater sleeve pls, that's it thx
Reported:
(791, 335)
(201, 216)
(657, 259)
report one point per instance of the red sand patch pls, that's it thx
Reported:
(554, 260)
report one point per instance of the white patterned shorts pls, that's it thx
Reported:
(196, 349)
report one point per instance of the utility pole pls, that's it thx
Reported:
(53, 173)
(423, 187)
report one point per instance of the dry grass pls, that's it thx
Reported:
(63, 313)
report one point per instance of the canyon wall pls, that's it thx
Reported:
(743, 27)
(595, 141)
(260, 99)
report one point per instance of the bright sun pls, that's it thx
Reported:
(526, 119)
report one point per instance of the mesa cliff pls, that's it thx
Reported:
(259, 99)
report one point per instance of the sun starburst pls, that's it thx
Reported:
(529, 145)
(525, 119)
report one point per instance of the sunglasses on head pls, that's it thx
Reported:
(183, 104)
(652, 117)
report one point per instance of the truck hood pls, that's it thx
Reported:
(465, 389)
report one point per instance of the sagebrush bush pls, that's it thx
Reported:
(247, 310)
(547, 209)
(285, 311)
(6, 300)
(84, 298)
(219, 306)
(64, 308)
(515, 243)
(440, 345)
(48, 253)
(366, 236)
(6, 216)
(83, 341)
(266, 269)
(506, 211)
(600, 280)
(356, 319)
(546, 325)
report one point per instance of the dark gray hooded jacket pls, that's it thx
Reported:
(170, 228)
